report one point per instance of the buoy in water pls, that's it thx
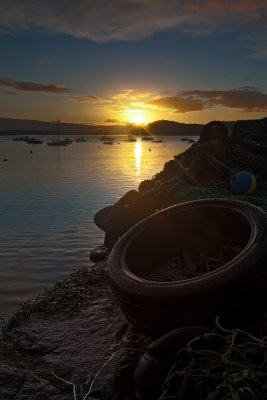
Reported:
(243, 182)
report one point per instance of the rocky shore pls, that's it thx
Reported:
(74, 335)
(70, 331)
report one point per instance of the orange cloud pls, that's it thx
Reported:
(86, 99)
(243, 99)
(179, 104)
(131, 94)
(112, 121)
(246, 99)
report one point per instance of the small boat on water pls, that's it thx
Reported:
(108, 142)
(62, 142)
(80, 139)
(20, 138)
(157, 141)
(147, 138)
(184, 138)
(32, 140)
(58, 141)
(68, 141)
(107, 138)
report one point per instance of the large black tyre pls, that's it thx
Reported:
(236, 291)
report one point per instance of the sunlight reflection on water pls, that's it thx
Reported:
(48, 199)
(138, 158)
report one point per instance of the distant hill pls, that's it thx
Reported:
(165, 127)
(23, 126)
(160, 128)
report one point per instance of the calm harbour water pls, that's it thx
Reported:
(48, 199)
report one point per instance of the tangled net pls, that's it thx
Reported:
(220, 365)
(190, 265)
(204, 170)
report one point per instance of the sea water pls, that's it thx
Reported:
(48, 198)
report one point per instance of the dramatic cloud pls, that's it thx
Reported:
(247, 8)
(131, 94)
(246, 99)
(104, 20)
(178, 104)
(112, 121)
(118, 101)
(86, 99)
(47, 88)
(114, 108)
(12, 93)
(127, 101)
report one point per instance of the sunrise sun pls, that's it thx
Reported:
(136, 117)
(138, 120)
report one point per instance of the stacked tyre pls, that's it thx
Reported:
(235, 291)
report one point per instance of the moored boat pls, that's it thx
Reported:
(63, 142)
(32, 140)
(107, 138)
(20, 138)
(147, 138)
(108, 142)
(130, 139)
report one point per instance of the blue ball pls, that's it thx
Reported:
(243, 182)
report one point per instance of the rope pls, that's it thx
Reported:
(222, 364)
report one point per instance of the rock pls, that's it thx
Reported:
(145, 186)
(214, 130)
(20, 385)
(124, 217)
(99, 253)
(48, 333)
(129, 198)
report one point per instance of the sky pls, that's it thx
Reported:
(125, 61)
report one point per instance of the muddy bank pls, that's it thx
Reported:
(71, 329)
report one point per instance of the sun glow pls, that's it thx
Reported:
(136, 117)
(138, 120)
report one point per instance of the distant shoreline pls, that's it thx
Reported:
(9, 126)
(49, 133)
